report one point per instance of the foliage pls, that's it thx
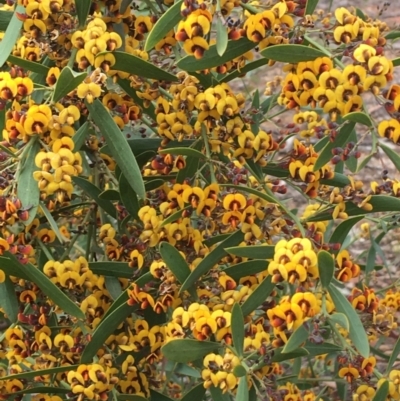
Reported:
(163, 234)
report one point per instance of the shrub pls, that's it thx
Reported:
(164, 235)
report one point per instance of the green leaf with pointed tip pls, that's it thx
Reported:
(174, 261)
(112, 269)
(192, 165)
(258, 296)
(391, 154)
(28, 65)
(118, 146)
(393, 356)
(243, 389)
(237, 327)
(28, 188)
(311, 6)
(82, 11)
(253, 251)
(340, 319)
(110, 195)
(5, 18)
(358, 117)
(81, 135)
(156, 396)
(393, 35)
(357, 332)
(67, 82)
(210, 59)
(34, 373)
(187, 350)
(165, 24)
(342, 137)
(321, 349)
(326, 267)
(279, 356)
(297, 338)
(174, 216)
(11, 35)
(342, 230)
(382, 392)
(196, 393)
(244, 70)
(291, 53)
(183, 152)
(137, 66)
(222, 37)
(52, 222)
(8, 299)
(211, 259)
(106, 327)
(128, 197)
(93, 192)
(218, 395)
(248, 268)
(34, 275)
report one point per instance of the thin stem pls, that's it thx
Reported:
(208, 153)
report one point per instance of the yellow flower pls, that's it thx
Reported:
(90, 91)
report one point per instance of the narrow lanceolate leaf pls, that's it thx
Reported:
(130, 397)
(165, 24)
(67, 82)
(391, 154)
(342, 137)
(258, 296)
(129, 197)
(174, 261)
(246, 268)
(135, 65)
(393, 356)
(52, 222)
(291, 53)
(342, 230)
(11, 35)
(280, 356)
(36, 373)
(28, 65)
(358, 117)
(112, 269)
(298, 337)
(254, 251)
(9, 300)
(340, 319)
(183, 152)
(82, 10)
(311, 6)
(326, 267)
(94, 192)
(5, 18)
(211, 58)
(80, 136)
(382, 392)
(222, 37)
(118, 146)
(243, 389)
(187, 350)
(196, 393)
(357, 333)
(244, 70)
(212, 259)
(34, 275)
(321, 349)
(106, 327)
(237, 327)
(27, 188)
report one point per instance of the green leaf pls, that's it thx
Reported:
(342, 137)
(35, 373)
(393, 35)
(8, 300)
(196, 393)
(222, 37)
(243, 389)
(393, 356)
(396, 62)
(81, 135)
(130, 397)
(82, 10)
(112, 269)
(291, 53)
(128, 197)
(5, 18)
(382, 392)
(28, 65)
(340, 319)
(52, 222)
(165, 24)
(187, 350)
(211, 259)
(174, 216)
(137, 66)
(107, 326)
(321, 349)
(360, 14)
(118, 146)
(28, 188)
(326, 267)
(311, 6)
(192, 165)
(174, 261)
(110, 195)
(210, 59)
(237, 327)
(358, 117)
(244, 70)
(297, 338)
(67, 82)
(11, 35)
(183, 152)
(156, 396)
(113, 286)
(253, 251)
(93, 192)
(34, 275)
(357, 331)
(258, 296)
(279, 356)
(392, 155)
(342, 230)
(248, 268)
(218, 395)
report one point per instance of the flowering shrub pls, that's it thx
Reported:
(150, 246)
